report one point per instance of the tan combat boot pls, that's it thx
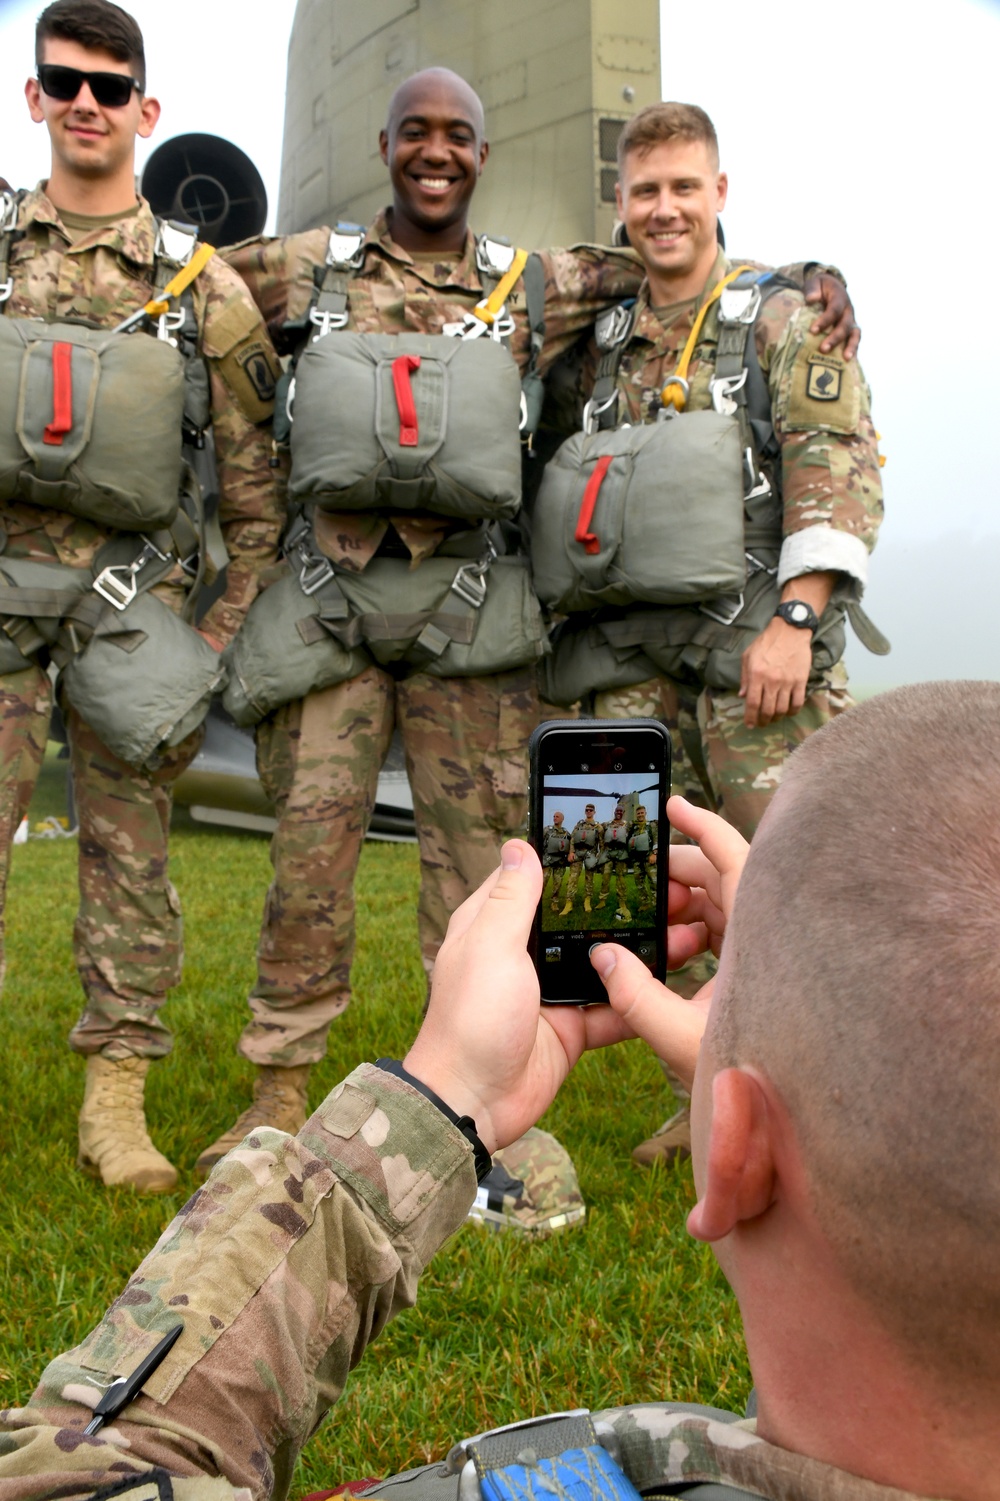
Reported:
(671, 1143)
(279, 1100)
(114, 1142)
(567, 909)
(586, 904)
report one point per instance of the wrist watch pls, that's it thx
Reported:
(796, 612)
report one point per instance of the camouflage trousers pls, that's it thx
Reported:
(719, 763)
(283, 1267)
(614, 871)
(319, 760)
(577, 871)
(128, 936)
(554, 882)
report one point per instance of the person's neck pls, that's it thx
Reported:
(92, 195)
(416, 240)
(831, 1384)
(666, 289)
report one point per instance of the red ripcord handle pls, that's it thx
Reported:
(62, 395)
(596, 480)
(402, 368)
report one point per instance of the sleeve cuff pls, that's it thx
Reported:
(399, 1153)
(821, 549)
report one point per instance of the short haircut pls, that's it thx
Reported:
(861, 974)
(96, 24)
(640, 808)
(658, 123)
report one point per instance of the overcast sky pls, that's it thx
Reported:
(865, 134)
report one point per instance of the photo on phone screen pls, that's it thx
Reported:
(598, 822)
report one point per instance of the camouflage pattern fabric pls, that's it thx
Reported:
(319, 760)
(548, 1195)
(127, 938)
(556, 866)
(830, 474)
(718, 763)
(290, 1259)
(465, 738)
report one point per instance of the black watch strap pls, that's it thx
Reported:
(463, 1123)
(796, 612)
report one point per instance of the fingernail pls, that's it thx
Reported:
(603, 958)
(511, 855)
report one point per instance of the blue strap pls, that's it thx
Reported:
(577, 1475)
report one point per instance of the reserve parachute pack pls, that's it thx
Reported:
(666, 536)
(467, 611)
(410, 422)
(620, 1454)
(93, 422)
(397, 423)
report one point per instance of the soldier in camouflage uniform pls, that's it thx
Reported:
(730, 744)
(584, 857)
(555, 858)
(615, 850)
(84, 249)
(642, 848)
(465, 737)
(865, 1263)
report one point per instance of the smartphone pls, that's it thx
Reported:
(597, 794)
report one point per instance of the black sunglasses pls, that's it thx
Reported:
(112, 90)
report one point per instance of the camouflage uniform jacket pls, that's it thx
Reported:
(103, 278)
(393, 293)
(830, 478)
(283, 1267)
(558, 853)
(651, 828)
(587, 837)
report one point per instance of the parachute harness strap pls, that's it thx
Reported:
(675, 390)
(490, 308)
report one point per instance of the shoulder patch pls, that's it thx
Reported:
(823, 378)
(823, 392)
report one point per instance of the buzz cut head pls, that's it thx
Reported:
(861, 974)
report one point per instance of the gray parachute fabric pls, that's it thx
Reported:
(405, 422)
(650, 514)
(144, 681)
(90, 422)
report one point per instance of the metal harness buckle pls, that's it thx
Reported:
(593, 410)
(325, 322)
(315, 571)
(469, 582)
(739, 304)
(345, 252)
(722, 389)
(613, 326)
(756, 478)
(175, 242)
(170, 323)
(494, 257)
(117, 582)
(6, 287)
(724, 608)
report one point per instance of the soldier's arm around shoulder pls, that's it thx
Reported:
(580, 283)
(278, 271)
(243, 369)
(830, 467)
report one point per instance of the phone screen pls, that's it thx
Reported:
(598, 822)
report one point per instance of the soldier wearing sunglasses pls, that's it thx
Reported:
(83, 249)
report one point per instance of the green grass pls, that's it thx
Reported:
(627, 1308)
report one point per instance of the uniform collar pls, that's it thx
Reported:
(462, 272)
(133, 237)
(648, 326)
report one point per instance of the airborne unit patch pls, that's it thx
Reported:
(824, 378)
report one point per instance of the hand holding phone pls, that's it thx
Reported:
(597, 818)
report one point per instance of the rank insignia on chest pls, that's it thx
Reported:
(824, 379)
